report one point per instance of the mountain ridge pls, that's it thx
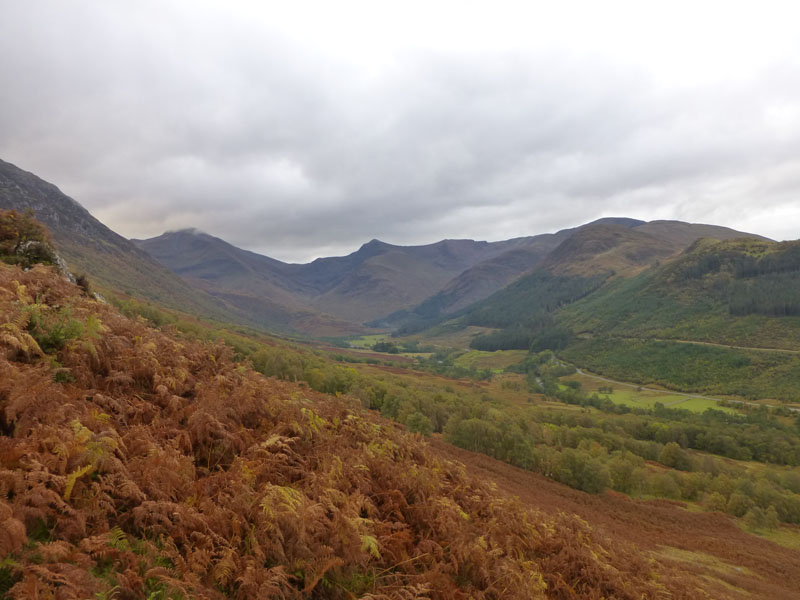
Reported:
(376, 279)
(87, 245)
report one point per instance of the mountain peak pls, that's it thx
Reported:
(188, 231)
(623, 221)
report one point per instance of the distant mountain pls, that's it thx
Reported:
(607, 247)
(489, 276)
(90, 247)
(410, 287)
(476, 283)
(375, 280)
(521, 286)
(626, 250)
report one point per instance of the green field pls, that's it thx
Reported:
(366, 342)
(646, 398)
(495, 361)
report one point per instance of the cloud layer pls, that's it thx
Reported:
(307, 131)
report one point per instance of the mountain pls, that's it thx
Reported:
(602, 248)
(723, 318)
(485, 278)
(743, 292)
(117, 264)
(479, 281)
(375, 280)
(88, 246)
(589, 260)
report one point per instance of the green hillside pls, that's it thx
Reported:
(721, 317)
(735, 292)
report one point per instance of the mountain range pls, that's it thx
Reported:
(380, 285)
(386, 285)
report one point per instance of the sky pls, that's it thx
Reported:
(303, 129)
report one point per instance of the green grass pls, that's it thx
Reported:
(786, 536)
(368, 341)
(636, 397)
(700, 405)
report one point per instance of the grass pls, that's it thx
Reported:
(368, 341)
(635, 396)
(786, 535)
(700, 405)
(707, 370)
(713, 563)
(446, 337)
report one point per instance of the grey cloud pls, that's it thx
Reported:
(198, 119)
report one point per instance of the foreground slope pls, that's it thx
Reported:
(706, 545)
(137, 465)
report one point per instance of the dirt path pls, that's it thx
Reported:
(708, 545)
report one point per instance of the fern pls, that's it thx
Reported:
(230, 484)
(369, 544)
(73, 477)
(280, 499)
(224, 568)
(117, 539)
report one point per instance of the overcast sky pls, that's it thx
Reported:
(299, 129)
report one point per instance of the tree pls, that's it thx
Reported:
(755, 519)
(418, 423)
(715, 501)
(739, 504)
(771, 521)
(676, 457)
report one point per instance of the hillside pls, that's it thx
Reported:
(737, 292)
(375, 280)
(149, 467)
(618, 246)
(88, 246)
(590, 259)
(735, 297)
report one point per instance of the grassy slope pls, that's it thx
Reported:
(689, 367)
(278, 398)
